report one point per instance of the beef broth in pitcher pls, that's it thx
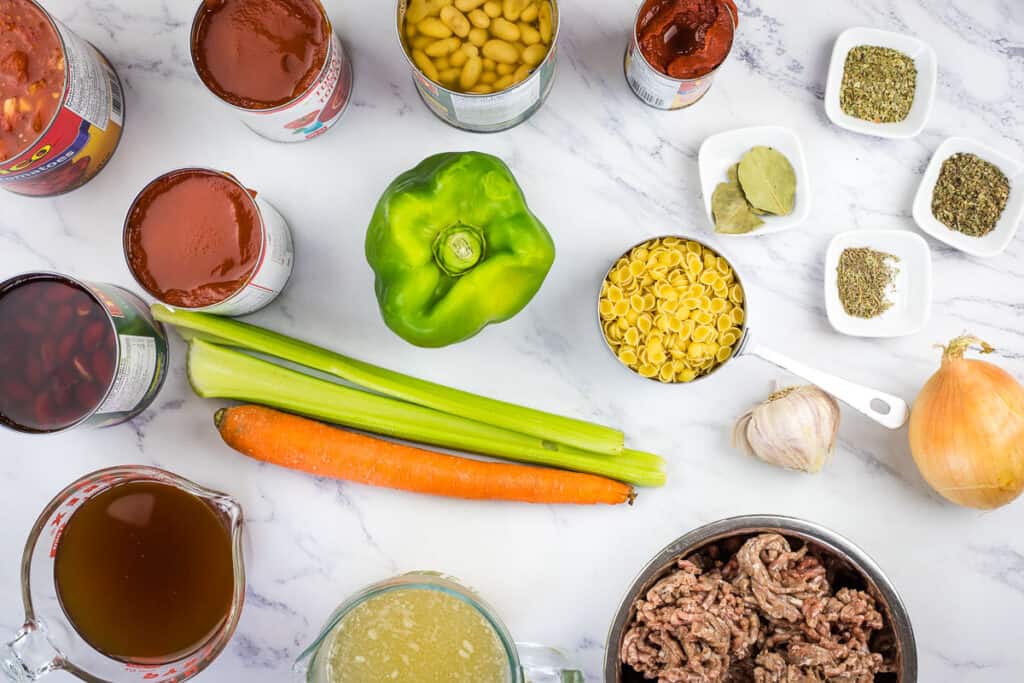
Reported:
(144, 572)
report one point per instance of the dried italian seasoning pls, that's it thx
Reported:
(970, 195)
(864, 277)
(878, 84)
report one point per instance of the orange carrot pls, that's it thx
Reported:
(301, 444)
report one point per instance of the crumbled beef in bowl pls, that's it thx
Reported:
(767, 614)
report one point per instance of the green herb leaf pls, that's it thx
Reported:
(731, 211)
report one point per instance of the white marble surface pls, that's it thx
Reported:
(603, 171)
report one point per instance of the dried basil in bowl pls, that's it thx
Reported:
(970, 195)
(879, 84)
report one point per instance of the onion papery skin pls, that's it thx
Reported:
(967, 431)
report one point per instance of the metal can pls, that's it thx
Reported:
(85, 129)
(129, 345)
(308, 115)
(657, 89)
(486, 113)
(273, 266)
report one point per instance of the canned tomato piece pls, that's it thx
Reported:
(480, 66)
(676, 49)
(61, 105)
(277, 63)
(197, 239)
(74, 353)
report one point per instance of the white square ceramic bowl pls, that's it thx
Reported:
(924, 96)
(911, 293)
(721, 151)
(999, 239)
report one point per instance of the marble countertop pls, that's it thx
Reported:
(603, 171)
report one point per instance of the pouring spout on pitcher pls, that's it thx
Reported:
(29, 656)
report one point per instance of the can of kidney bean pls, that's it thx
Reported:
(61, 104)
(481, 90)
(656, 87)
(277, 63)
(75, 353)
(198, 239)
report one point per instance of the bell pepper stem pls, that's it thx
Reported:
(458, 248)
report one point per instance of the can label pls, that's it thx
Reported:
(313, 113)
(141, 357)
(272, 271)
(84, 132)
(657, 89)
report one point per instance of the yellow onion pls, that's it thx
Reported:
(967, 430)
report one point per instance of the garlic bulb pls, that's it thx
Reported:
(795, 428)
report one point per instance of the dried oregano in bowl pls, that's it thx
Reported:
(878, 85)
(970, 195)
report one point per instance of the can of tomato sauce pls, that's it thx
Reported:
(61, 104)
(197, 239)
(75, 353)
(481, 65)
(277, 63)
(676, 49)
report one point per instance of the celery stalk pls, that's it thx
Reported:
(572, 432)
(219, 372)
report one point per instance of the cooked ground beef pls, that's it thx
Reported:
(767, 615)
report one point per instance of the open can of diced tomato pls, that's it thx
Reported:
(705, 48)
(61, 104)
(198, 239)
(75, 353)
(502, 68)
(277, 63)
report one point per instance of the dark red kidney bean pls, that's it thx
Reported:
(60, 316)
(94, 334)
(83, 367)
(58, 292)
(103, 366)
(60, 394)
(88, 396)
(66, 347)
(43, 410)
(48, 355)
(33, 371)
(30, 324)
(17, 391)
(84, 308)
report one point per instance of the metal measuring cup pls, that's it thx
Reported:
(885, 409)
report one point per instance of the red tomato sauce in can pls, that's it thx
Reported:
(686, 38)
(193, 238)
(260, 54)
(61, 104)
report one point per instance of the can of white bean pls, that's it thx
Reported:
(480, 65)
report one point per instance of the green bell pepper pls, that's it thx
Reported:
(455, 248)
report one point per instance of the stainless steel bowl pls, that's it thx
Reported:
(861, 568)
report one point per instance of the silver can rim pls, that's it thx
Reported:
(195, 169)
(831, 541)
(193, 34)
(86, 286)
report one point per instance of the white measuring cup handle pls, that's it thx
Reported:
(885, 409)
(542, 664)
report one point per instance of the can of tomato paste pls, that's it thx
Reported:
(661, 45)
(75, 353)
(61, 104)
(277, 63)
(198, 239)
(493, 103)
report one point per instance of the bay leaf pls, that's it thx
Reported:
(734, 177)
(731, 211)
(768, 180)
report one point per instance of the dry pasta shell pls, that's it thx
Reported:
(606, 308)
(647, 371)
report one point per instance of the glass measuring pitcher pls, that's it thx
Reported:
(48, 641)
(522, 663)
